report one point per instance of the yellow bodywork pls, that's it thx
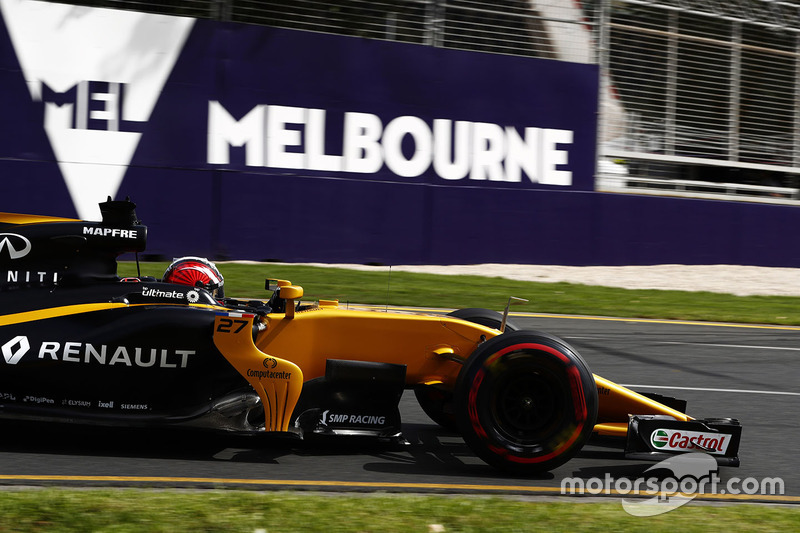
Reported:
(417, 341)
(432, 347)
(277, 382)
(19, 219)
(616, 403)
(293, 347)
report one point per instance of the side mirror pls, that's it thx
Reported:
(271, 284)
(290, 292)
(286, 291)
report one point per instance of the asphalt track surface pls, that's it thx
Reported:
(747, 372)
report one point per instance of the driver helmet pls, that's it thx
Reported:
(196, 272)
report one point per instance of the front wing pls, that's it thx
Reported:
(658, 437)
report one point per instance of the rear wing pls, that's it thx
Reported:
(39, 251)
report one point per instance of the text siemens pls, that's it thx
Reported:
(294, 138)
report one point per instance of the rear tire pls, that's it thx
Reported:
(525, 402)
(484, 317)
(438, 403)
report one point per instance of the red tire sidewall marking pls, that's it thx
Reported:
(472, 407)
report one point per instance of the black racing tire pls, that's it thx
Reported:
(437, 402)
(525, 402)
(484, 317)
(438, 405)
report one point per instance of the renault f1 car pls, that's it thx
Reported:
(82, 345)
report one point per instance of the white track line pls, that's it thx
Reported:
(678, 343)
(730, 345)
(780, 393)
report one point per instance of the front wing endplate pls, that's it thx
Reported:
(658, 437)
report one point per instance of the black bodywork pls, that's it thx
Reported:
(80, 344)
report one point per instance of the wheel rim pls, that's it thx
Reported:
(528, 405)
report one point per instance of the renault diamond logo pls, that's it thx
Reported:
(14, 349)
(16, 245)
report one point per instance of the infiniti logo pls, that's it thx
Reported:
(17, 245)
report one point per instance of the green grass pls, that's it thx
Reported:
(428, 290)
(234, 511)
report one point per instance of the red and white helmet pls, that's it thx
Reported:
(195, 272)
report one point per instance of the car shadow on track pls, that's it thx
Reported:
(425, 449)
(66, 439)
(436, 452)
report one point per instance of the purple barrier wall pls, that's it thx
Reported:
(432, 225)
(258, 143)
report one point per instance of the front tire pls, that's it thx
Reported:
(525, 402)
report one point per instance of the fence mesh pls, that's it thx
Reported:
(714, 86)
(519, 27)
(692, 90)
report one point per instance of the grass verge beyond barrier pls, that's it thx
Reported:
(233, 511)
(430, 290)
